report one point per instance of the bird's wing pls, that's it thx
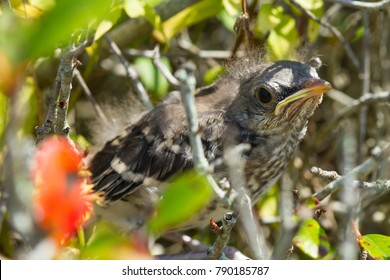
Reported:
(153, 150)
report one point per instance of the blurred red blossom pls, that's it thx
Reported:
(63, 199)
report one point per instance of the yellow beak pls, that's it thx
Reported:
(312, 88)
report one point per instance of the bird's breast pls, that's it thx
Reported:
(267, 162)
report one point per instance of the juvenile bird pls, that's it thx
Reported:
(266, 105)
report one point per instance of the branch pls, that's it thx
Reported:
(199, 250)
(230, 252)
(365, 85)
(289, 225)
(380, 186)
(334, 31)
(331, 175)
(359, 171)
(163, 69)
(365, 100)
(243, 203)
(92, 100)
(55, 120)
(131, 74)
(216, 54)
(216, 251)
(187, 90)
(367, 6)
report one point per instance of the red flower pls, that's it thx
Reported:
(63, 200)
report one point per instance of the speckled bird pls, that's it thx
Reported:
(266, 105)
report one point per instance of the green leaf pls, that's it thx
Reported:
(43, 5)
(141, 8)
(135, 8)
(268, 18)
(312, 240)
(151, 77)
(108, 21)
(185, 196)
(188, 17)
(233, 7)
(268, 204)
(213, 74)
(227, 20)
(358, 34)
(28, 39)
(4, 117)
(283, 36)
(377, 245)
(312, 202)
(283, 39)
(314, 6)
(107, 244)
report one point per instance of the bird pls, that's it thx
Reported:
(266, 105)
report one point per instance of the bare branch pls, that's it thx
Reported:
(365, 100)
(131, 74)
(92, 100)
(289, 226)
(230, 252)
(243, 202)
(359, 171)
(216, 251)
(331, 175)
(187, 90)
(349, 195)
(380, 186)
(334, 31)
(163, 69)
(367, 6)
(365, 85)
(216, 54)
(55, 120)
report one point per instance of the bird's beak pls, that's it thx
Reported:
(313, 87)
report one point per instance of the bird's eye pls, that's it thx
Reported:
(263, 95)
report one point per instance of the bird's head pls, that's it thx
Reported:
(278, 96)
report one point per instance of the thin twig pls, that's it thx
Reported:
(187, 89)
(350, 196)
(331, 175)
(186, 44)
(289, 226)
(203, 54)
(243, 203)
(368, 99)
(230, 252)
(380, 186)
(216, 251)
(92, 100)
(163, 69)
(334, 31)
(131, 74)
(365, 85)
(359, 171)
(367, 6)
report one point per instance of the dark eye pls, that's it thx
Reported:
(263, 95)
